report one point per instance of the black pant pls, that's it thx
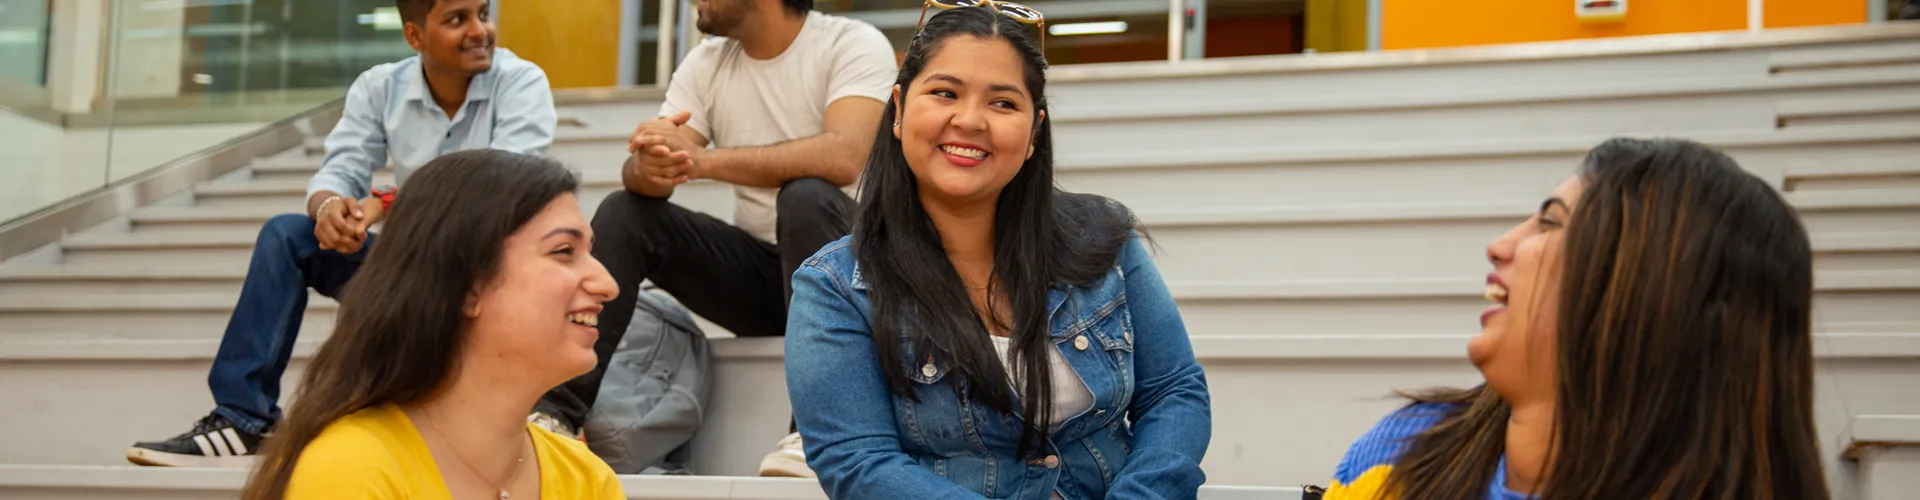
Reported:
(715, 269)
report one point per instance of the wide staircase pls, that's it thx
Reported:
(1321, 221)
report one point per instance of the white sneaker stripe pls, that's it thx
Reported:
(219, 445)
(233, 441)
(206, 448)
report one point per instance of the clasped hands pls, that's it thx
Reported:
(666, 156)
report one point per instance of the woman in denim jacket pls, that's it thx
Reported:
(981, 333)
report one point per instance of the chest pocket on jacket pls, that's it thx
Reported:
(938, 420)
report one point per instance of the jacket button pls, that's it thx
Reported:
(929, 370)
(1052, 462)
(1080, 342)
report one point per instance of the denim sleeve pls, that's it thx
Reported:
(525, 113)
(841, 404)
(358, 144)
(1171, 412)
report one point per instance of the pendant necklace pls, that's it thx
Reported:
(475, 470)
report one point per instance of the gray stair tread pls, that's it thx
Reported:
(1492, 147)
(251, 188)
(82, 346)
(1865, 242)
(1855, 199)
(1854, 167)
(590, 178)
(1803, 108)
(118, 272)
(169, 239)
(1844, 56)
(205, 214)
(135, 303)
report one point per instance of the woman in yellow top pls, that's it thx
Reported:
(481, 298)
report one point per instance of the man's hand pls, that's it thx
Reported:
(666, 157)
(669, 160)
(341, 225)
(665, 125)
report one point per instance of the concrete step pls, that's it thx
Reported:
(289, 196)
(81, 281)
(1349, 241)
(1869, 301)
(1882, 105)
(1891, 172)
(92, 396)
(49, 482)
(1259, 172)
(142, 315)
(1886, 449)
(1897, 53)
(84, 299)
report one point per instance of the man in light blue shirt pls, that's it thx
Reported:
(460, 93)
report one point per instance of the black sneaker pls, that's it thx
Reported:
(213, 442)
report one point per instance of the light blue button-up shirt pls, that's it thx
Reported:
(390, 115)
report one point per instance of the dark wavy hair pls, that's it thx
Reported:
(401, 328)
(1043, 237)
(1685, 347)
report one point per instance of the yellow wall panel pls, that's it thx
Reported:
(577, 42)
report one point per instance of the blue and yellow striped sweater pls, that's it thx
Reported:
(1363, 473)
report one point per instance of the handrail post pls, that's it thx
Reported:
(663, 59)
(1176, 30)
(1373, 25)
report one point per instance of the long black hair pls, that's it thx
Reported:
(1043, 238)
(401, 328)
(1685, 350)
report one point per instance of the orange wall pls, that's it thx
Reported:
(1408, 24)
(1788, 13)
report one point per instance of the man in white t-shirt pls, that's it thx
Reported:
(791, 100)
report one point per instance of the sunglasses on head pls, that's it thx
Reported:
(1018, 12)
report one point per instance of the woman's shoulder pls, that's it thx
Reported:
(365, 451)
(377, 428)
(833, 256)
(1371, 456)
(574, 469)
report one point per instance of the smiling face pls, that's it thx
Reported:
(539, 313)
(457, 35)
(967, 121)
(1515, 347)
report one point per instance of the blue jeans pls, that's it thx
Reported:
(287, 260)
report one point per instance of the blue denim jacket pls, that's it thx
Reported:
(1143, 438)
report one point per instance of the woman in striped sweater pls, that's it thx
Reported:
(1649, 338)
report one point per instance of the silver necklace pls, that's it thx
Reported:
(476, 470)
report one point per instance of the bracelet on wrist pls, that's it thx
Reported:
(322, 210)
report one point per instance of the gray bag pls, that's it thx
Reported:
(655, 392)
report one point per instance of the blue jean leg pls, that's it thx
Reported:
(287, 260)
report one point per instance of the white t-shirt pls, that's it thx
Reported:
(1070, 394)
(738, 101)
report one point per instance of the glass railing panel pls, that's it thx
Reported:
(43, 162)
(191, 74)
